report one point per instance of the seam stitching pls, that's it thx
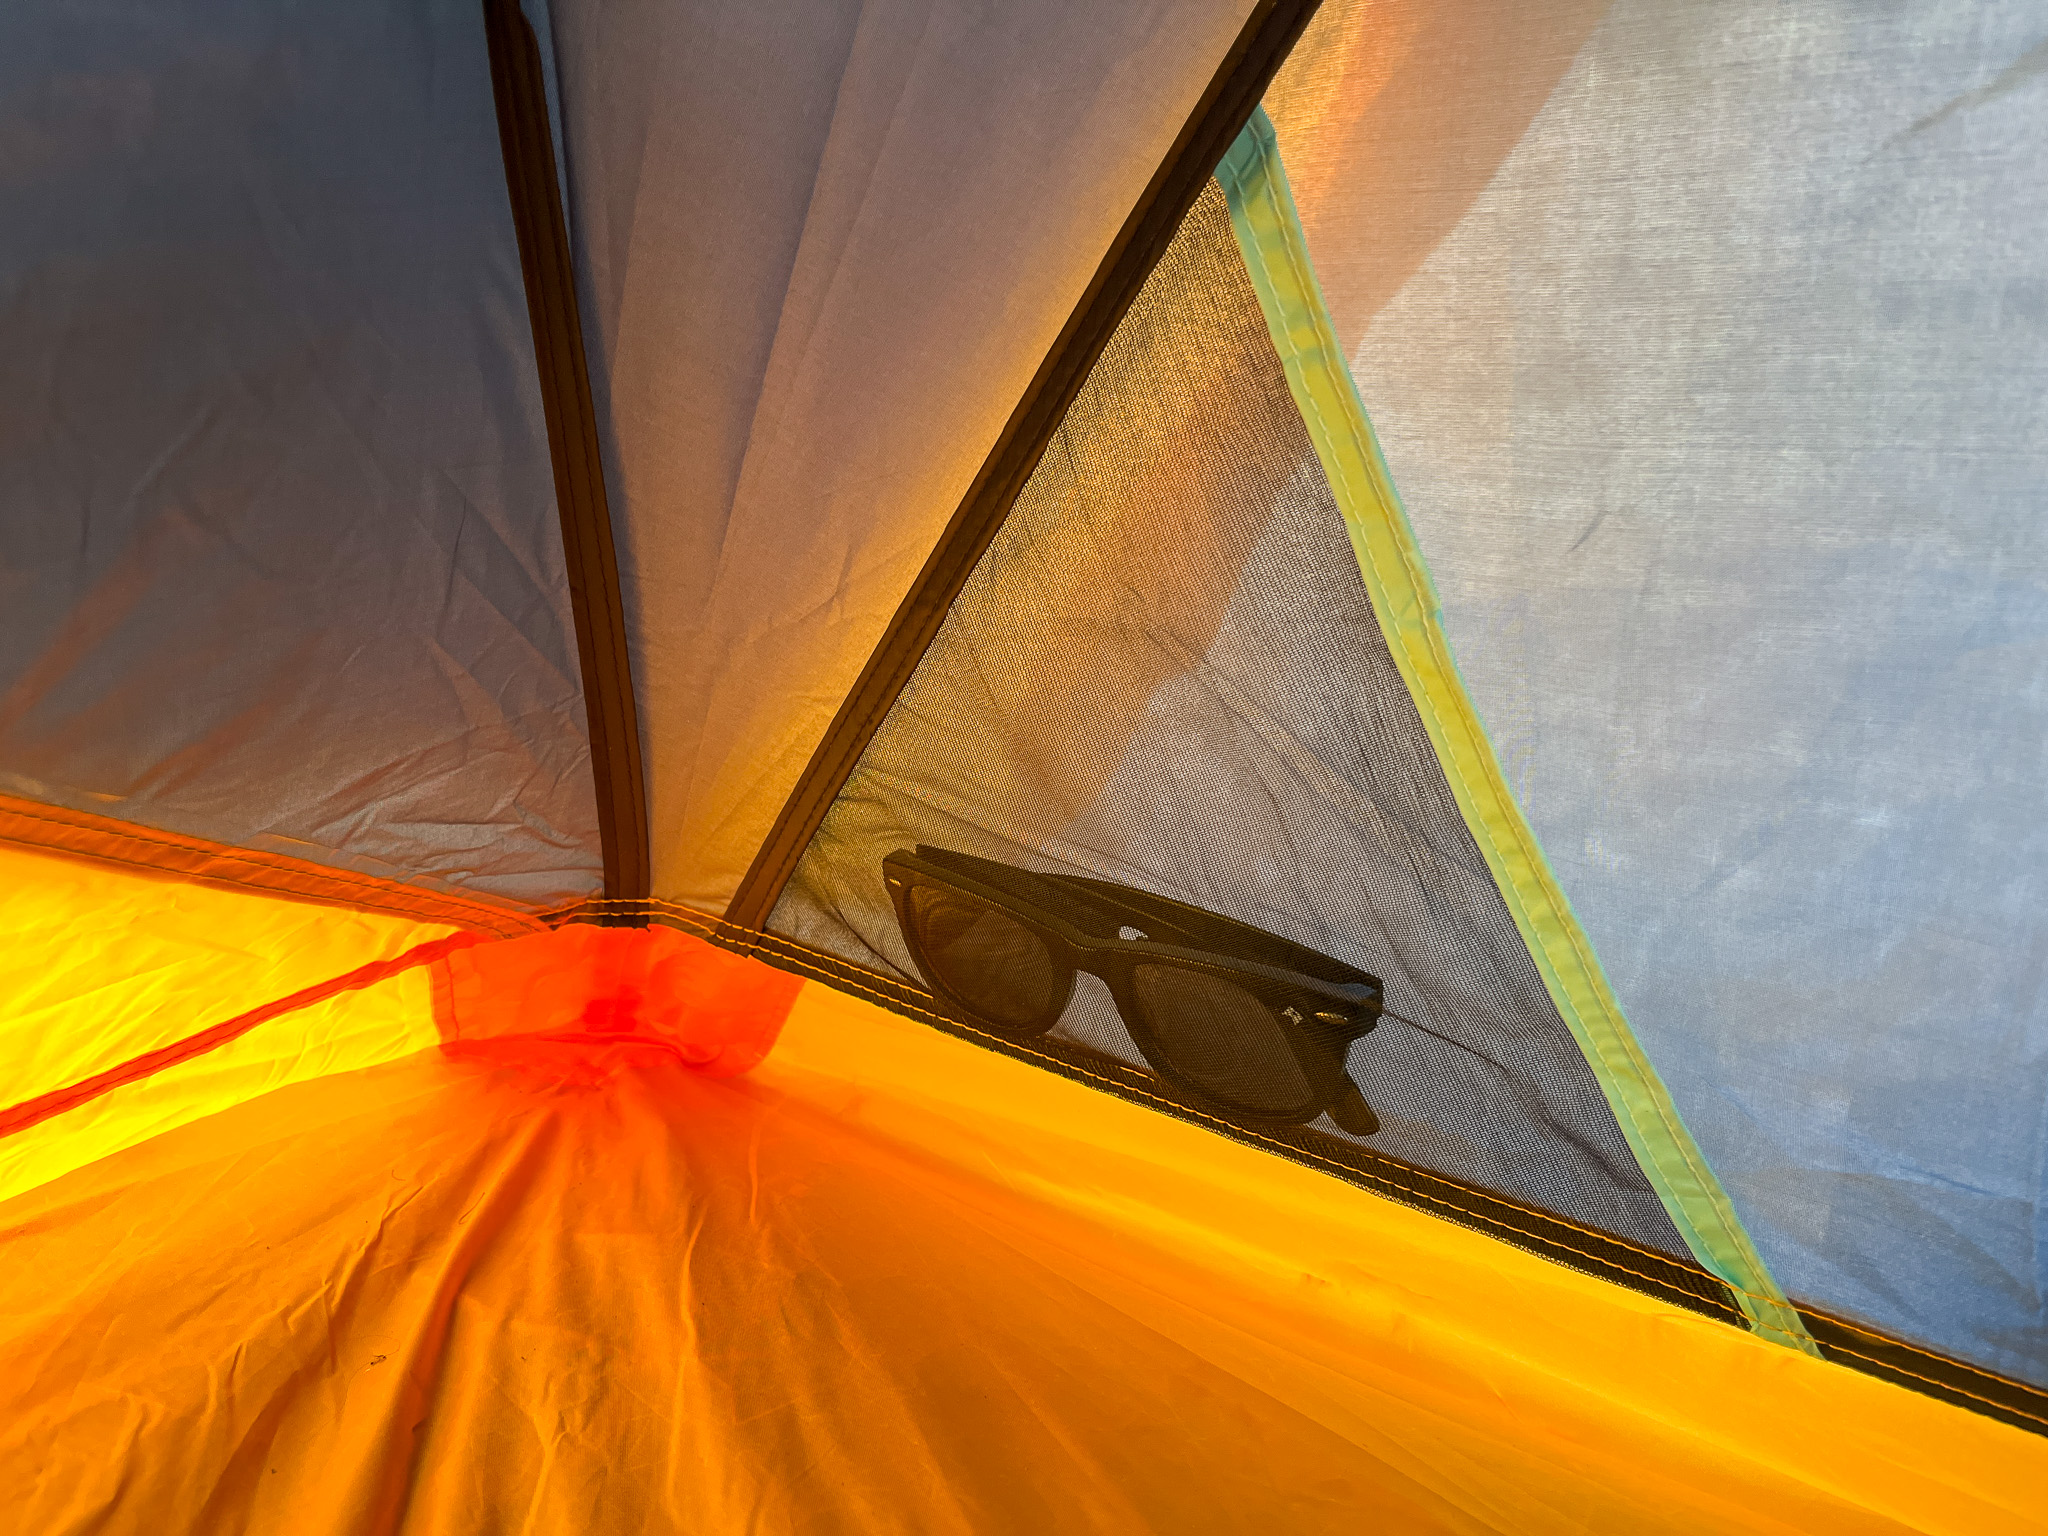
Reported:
(709, 926)
(774, 944)
(387, 894)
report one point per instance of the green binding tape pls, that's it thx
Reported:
(1276, 255)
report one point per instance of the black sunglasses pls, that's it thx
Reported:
(1240, 1020)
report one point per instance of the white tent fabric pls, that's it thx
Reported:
(823, 249)
(279, 556)
(1710, 356)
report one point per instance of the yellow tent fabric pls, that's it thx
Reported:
(890, 1282)
(104, 965)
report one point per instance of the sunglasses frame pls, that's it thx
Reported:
(1329, 1011)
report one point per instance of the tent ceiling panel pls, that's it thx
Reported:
(824, 249)
(281, 565)
(1707, 352)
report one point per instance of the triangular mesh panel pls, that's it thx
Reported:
(1166, 672)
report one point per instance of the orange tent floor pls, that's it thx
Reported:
(889, 1283)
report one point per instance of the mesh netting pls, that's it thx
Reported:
(1166, 672)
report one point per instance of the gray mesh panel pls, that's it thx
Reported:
(1167, 672)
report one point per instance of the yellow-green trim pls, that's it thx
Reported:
(1276, 255)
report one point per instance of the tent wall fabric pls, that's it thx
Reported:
(1707, 354)
(908, 199)
(281, 565)
(1593, 817)
(205, 1000)
(1040, 1307)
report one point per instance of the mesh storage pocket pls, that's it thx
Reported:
(1166, 672)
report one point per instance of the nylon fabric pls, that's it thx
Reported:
(279, 552)
(386, 1022)
(1706, 345)
(448, 1295)
(107, 841)
(897, 204)
(101, 965)
(647, 987)
(531, 1003)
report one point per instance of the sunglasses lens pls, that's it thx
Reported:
(1222, 1039)
(988, 960)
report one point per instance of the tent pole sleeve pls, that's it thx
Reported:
(519, 88)
(1404, 599)
(1232, 95)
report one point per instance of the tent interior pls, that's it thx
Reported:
(926, 766)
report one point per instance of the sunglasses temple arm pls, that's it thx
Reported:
(1352, 1113)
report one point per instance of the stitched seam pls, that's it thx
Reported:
(393, 896)
(205, 1041)
(1939, 1386)
(199, 849)
(774, 944)
(1439, 1201)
